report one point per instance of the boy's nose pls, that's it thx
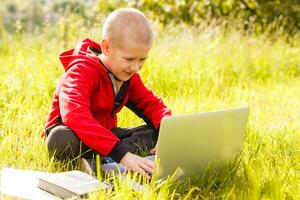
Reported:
(135, 68)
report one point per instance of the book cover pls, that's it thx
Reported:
(70, 183)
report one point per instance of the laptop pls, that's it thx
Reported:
(187, 144)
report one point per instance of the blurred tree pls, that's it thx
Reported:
(285, 13)
(262, 14)
(71, 6)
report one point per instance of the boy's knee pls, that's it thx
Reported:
(63, 143)
(141, 140)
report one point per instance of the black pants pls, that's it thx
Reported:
(64, 144)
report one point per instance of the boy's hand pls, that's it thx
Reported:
(137, 164)
(153, 151)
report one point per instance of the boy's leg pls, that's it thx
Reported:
(137, 139)
(64, 144)
(62, 141)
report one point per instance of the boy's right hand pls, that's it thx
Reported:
(137, 164)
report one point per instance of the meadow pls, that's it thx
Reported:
(193, 70)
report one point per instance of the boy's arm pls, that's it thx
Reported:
(74, 103)
(145, 104)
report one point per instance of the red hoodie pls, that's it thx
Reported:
(84, 100)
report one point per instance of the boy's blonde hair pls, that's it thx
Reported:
(127, 24)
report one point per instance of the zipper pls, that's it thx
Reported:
(114, 87)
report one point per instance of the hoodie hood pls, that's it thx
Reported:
(86, 51)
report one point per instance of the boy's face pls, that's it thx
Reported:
(124, 62)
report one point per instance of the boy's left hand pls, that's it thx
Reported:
(153, 151)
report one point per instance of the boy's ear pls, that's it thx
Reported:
(105, 46)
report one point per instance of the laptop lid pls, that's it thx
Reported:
(191, 142)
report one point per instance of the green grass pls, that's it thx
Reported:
(193, 71)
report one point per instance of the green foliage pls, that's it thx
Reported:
(279, 13)
(35, 16)
(72, 6)
(263, 15)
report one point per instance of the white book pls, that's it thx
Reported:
(71, 183)
(35, 185)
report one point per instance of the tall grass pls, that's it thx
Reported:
(193, 70)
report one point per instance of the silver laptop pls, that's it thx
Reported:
(187, 144)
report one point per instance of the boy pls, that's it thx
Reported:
(100, 80)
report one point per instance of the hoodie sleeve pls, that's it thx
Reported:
(145, 104)
(74, 103)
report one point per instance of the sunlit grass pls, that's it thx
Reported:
(193, 71)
